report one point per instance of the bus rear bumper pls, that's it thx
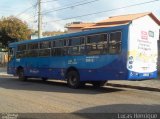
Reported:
(142, 76)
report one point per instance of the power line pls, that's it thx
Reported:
(43, 13)
(49, 1)
(104, 11)
(34, 5)
(53, 10)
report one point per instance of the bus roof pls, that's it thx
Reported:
(62, 36)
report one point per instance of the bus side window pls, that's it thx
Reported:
(21, 51)
(82, 40)
(65, 48)
(44, 52)
(45, 48)
(115, 42)
(93, 39)
(105, 42)
(58, 43)
(97, 44)
(77, 46)
(33, 49)
(45, 44)
(82, 45)
(75, 41)
(57, 49)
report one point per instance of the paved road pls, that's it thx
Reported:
(36, 96)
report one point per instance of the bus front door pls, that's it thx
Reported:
(11, 61)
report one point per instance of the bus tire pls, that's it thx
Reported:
(21, 75)
(44, 79)
(73, 79)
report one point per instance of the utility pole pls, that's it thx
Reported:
(39, 19)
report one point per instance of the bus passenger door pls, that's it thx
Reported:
(11, 61)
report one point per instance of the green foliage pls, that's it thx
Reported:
(13, 29)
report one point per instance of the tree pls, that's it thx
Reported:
(13, 29)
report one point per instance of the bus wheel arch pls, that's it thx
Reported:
(71, 69)
(20, 73)
(73, 78)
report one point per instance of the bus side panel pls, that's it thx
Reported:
(43, 67)
(112, 71)
(104, 67)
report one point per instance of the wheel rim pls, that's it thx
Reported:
(73, 80)
(21, 74)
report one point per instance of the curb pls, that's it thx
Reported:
(134, 87)
(4, 74)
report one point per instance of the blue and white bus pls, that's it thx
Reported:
(115, 53)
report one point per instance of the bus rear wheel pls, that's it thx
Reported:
(44, 79)
(73, 79)
(21, 75)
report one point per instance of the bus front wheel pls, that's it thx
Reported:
(73, 79)
(21, 75)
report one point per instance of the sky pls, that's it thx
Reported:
(57, 13)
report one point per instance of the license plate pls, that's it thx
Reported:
(145, 74)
